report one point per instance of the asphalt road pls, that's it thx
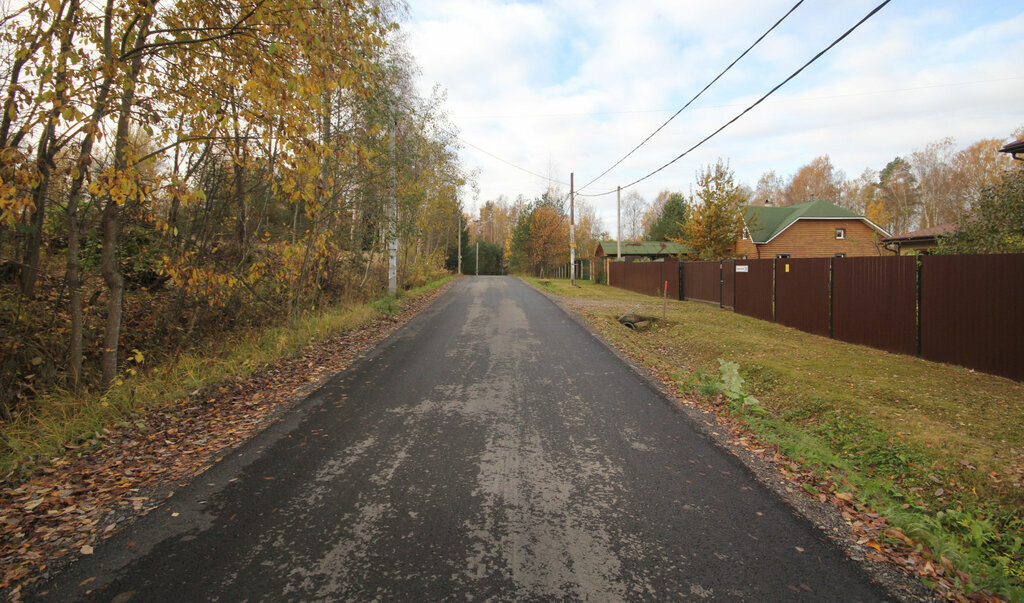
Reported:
(490, 449)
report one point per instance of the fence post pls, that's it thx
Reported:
(734, 286)
(775, 290)
(682, 281)
(919, 263)
(721, 283)
(831, 298)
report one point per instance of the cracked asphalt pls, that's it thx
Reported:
(491, 449)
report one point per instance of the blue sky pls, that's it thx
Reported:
(572, 85)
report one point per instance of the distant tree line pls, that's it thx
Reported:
(531, 236)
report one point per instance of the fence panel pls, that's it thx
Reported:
(703, 281)
(754, 288)
(643, 277)
(647, 278)
(728, 284)
(670, 273)
(802, 294)
(874, 302)
(615, 273)
(971, 312)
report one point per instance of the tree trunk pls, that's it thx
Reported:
(30, 269)
(243, 205)
(46, 151)
(110, 223)
(74, 289)
(115, 292)
(73, 276)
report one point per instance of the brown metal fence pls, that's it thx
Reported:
(647, 278)
(964, 310)
(802, 294)
(874, 302)
(755, 288)
(702, 281)
(972, 312)
(670, 274)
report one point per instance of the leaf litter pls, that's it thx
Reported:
(70, 503)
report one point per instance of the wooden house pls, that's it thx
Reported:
(812, 229)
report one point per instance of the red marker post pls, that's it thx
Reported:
(664, 301)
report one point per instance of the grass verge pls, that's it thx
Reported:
(937, 450)
(67, 418)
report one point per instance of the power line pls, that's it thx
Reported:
(703, 90)
(703, 107)
(805, 99)
(455, 134)
(575, 114)
(507, 162)
(756, 103)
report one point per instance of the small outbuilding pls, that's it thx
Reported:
(607, 251)
(1014, 149)
(922, 241)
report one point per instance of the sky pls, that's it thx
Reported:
(562, 86)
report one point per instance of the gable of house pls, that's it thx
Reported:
(809, 229)
(764, 223)
(811, 238)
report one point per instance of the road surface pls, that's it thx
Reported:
(490, 449)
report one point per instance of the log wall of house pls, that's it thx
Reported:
(816, 239)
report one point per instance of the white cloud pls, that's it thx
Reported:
(577, 83)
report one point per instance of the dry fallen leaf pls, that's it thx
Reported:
(169, 445)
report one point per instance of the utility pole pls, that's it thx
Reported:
(477, 256)
(618, 222)
(458, 235)
(393, 218)
(572, 233)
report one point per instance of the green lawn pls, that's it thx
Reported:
(938, 450)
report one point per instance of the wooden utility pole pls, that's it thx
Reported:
(572, 233)
(618, 222)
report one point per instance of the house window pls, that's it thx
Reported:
(782, 256)
(840, 255)
(840, 233)
(743, 235)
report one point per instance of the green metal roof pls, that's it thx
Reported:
(650, 248)
(766, 222)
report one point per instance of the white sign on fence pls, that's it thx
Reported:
(742, 268)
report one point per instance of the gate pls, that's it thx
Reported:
(802, 294)
(728, 284)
